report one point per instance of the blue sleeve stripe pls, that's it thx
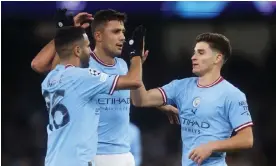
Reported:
(243, 126)
(164, 96)
(113, 85)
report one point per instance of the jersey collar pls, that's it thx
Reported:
(68, 65)
(93, 55)
(212, 84)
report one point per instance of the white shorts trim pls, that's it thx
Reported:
(125, 159)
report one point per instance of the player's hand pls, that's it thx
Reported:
(171, 112)
(136, 43)
(62, 19)
(200, 153)
(145, 55)
(83, 19)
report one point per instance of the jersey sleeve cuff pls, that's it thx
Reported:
(164, 96)
(243, 126)
(114, 84)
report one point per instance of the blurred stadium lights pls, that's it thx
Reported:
(197, 9)
(72, 6)
(265, 7)
(211, 9)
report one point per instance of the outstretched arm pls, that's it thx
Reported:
(147, 98)
(132, 79)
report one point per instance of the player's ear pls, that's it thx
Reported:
(219, 58)
(77, 50)
(98, 36)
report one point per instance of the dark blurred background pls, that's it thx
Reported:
(171, 30)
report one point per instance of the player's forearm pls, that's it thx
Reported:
(146, 98)
(132, 80)
(135, 71)
(239, 141)
(43, 62)
(135, 95)
(139, 96)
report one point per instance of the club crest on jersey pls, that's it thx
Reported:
(94, 72)
(196, 102)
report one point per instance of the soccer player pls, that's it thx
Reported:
(135, 143)
(210, 107)
(69, 91)
(108, 32)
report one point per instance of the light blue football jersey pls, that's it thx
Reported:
(135, 143)
(114, 118)
(73, 117)
(207, 114)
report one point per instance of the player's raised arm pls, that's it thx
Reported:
(136, 52)
(91, 81)
(47, 58)
(132, 80)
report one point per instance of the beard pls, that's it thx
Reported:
(84, 61)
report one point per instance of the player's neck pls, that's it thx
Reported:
(70, 61)
(209, 78)
(103, 56)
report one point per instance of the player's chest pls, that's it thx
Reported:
(202, 104)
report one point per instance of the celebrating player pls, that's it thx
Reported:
(108, 32)
(210, 107)
(69, 92)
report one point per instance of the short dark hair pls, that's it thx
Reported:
(218, 42)
(103, 16)
(65, 37)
